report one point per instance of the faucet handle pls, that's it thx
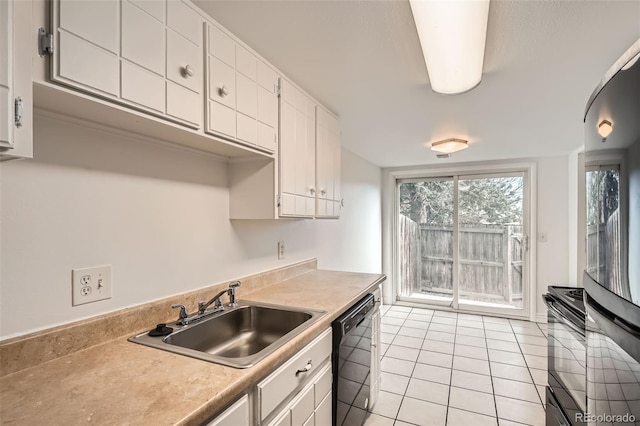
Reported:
(184, 314)
(234, 284)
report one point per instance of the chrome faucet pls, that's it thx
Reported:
(232, 293)
(183, 315)
(217, 299)
(218, 306)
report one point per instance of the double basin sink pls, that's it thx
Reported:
(238, 337)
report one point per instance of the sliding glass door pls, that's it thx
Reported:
(462, 242)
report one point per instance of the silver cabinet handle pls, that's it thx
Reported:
(323, 192)
(223, 91)
(187, 71)
(306, 368)
(312, 190)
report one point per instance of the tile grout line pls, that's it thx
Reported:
(527, 364)
(493, 389)
(446, 417)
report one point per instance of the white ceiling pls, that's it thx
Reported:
(362, 59)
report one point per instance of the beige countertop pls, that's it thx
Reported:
(124, 383)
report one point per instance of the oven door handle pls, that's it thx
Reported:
(548, 300)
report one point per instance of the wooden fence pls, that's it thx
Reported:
(490, 258)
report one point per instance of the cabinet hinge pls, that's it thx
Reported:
(525, 243)
(278, 200)
(276, 88)
(17, 112)
(45, 43)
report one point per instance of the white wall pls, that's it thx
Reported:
(159, 215)
(554, 260)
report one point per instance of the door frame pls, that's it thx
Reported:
(390, 211)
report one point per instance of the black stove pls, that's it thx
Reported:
(571, 296)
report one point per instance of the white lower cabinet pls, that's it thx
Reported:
(310, 406)
(296, 393)
(236, 415)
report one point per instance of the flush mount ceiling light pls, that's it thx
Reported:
(605, 128)
(449, 146)
(452, 34)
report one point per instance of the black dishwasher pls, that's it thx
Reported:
(351, 363)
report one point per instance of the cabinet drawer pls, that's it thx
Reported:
(237, 414)
(284, 380)
(322, 385)
(323, 412)
(185, 21)
(222, 76)
(302, 408)
(283, 420)
(222, 46)
(180, 54)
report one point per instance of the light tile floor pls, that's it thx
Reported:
(444, 368)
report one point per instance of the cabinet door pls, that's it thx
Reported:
(184, 21)
(143, 58)
(142, 39)
(88, 44)
(92, 21)
(236, 415)
(184, 62)
(297, 150)
(246, 96)
(323, 412)
(155, 8)
(222, 83)
(6, 54)
(15, 78)
(142, 87)
(283, 420)
(184, 104)
(303, 407)
(328, 163)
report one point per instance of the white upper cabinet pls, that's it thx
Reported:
(145, 54)
(297, 152)
(16, 93)
(242, 101)
(328, 145)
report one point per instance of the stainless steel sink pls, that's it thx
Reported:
(238, 337)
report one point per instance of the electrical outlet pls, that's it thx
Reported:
(280, 249)
(90, 284)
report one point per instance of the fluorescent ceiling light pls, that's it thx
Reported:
(452, 34)
(449, 146)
